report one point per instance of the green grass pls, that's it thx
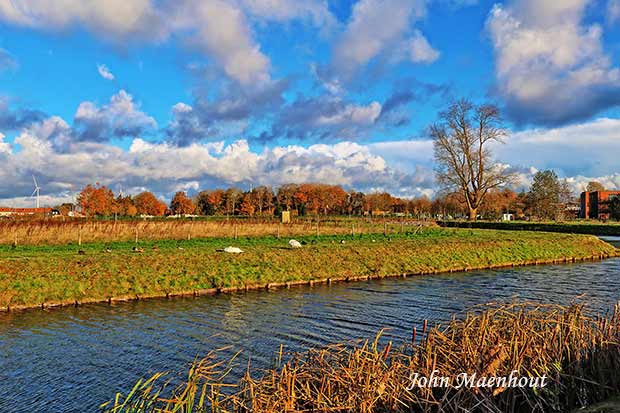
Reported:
(34, 275)
(592, 227)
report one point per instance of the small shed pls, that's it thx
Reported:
(286, 217)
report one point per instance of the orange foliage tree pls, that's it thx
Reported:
(147, 204)
(181, 204)
(97, 200)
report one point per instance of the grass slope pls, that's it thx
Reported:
(36, 275)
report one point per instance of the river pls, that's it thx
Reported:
(73, 359)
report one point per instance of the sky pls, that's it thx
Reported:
(188, 95)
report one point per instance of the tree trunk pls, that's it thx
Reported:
(473, 214)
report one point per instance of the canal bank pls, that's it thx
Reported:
(74, 358)
(43, 277)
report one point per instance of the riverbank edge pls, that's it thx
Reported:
(597, 229)
(289, 284)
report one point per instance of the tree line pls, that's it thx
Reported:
(473, 184)
(548, 198)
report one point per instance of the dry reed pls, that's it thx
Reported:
(579, 353)
(58, 232)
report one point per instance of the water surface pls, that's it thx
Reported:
(72, 359)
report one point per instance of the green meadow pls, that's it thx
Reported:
(33, 276)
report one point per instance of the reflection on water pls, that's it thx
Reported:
(72, 359)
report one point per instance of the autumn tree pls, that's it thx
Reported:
(379, 202)
(449, 205)
(354, 204)
(594, 186)
(548, 195)
(498, 202)
(462, 142)
(210, 202)
(126, 206)
(147, 204)
(181, 204)
(259, 200)
(97, 200)
(232, 199)
(248, 203)
(420, 207)
(286, 196)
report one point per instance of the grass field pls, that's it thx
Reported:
(592, 227)
(77, 231)
(69, 274)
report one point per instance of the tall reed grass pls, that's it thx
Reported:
(57, 232)
(579, 353)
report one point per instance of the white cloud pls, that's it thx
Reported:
(546, 57)
(420, 50)
(316, 11)
(111, 19)
(375, 27)
(218, 28)
(581, 152)
(5, 147)
(121, 117)
(105, 72)
(590, 148)
(163, 167)
(352, 114)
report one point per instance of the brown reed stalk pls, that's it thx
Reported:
(579, 353)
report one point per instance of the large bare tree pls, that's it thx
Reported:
(464, 163)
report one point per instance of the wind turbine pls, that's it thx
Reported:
(36, 192)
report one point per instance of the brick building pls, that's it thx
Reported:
(7, 212)
(600, 205)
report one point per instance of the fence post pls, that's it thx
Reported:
(279, 230)
(136, 237)
(79, 235)
(384, 227)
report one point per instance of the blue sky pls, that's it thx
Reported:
(189, 95)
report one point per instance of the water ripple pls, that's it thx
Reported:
(72, 359)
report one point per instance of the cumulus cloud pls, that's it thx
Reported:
(550, 66)
(13, 119)
(588, 149)
(420, 50)
(581, 152)
(316, 11)
(378, 27)
(105, 72)
(4, 146)
(121, 117)
(112, 19)
(228, 113)
(219, 28)
(323, 118)
(163, 167)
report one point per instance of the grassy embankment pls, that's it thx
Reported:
(33, 276)
(570, 227)
(579, 355)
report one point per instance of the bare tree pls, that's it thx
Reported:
(462, 139)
